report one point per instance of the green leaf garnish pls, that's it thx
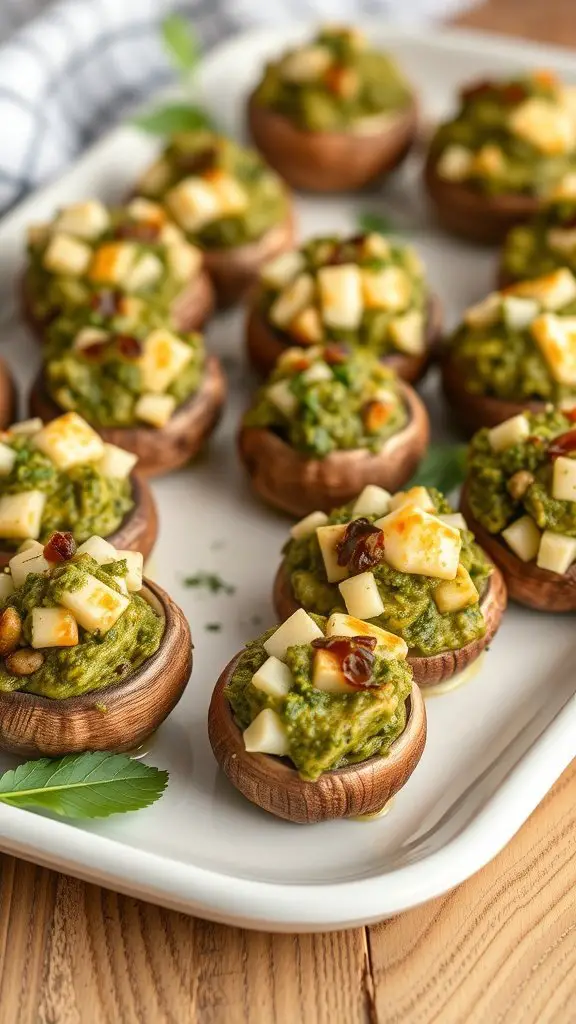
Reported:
(368, 222)
(174, 117)
(180, 42)
(444, 467)
(90, 785)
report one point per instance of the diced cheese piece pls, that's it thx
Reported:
(544, 124)
(145, 272)
(407, 332)
(7, 459)
(563, 240)
(184, 261)
(376, 246)
(299, 629)
(389, 645)
(512, 431)
(307, 327)
(112, 263)
(171, 234)
(116, 462)
(565, 188)
(327, 674)
(155, 409)
(552, 291)
(281, 395)
(232, 198)
(484, 313)
(163, 358)
(454, 519)
(294, 359)
(31, 545)
(416, 542)
(419, 496)
(519, 313)
(273, 678)
(26, 428)
(65, 255)
(295, 297)
(556, 339)
(6, 586)
(361, 596)
(454, 595)
(372, 501)
(488, 161)
(564, 479)
(25, 562)
(94, 605)
(53, 627)
(317, 373)
(266, 735)
(69, 441)
(282, 269)
(141, 209)
(454, 163)
(99, 549)
(389, 288)
(306, 64)
(556, 552)
(84, 220)
(328, 539)
(307, 526)
(193, 203)
(523, 537)
(88, 336)
(21, 514)
(340, 291)
(135, 566)
(155, 178)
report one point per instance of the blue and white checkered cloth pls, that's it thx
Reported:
(70, 68)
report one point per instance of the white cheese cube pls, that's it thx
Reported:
(282, 396)
(297, 630)
(277, 273)
(556, 339)
(372, 501)
(485, 313)
(99, 549)
(31, 545)
(306, 64)
(53, 627)
(408, 333)
(21, 514)
(519, 313)
(25, 562)
(26, 428)
(317, 373)
(565, 188)
(273, 678)
(292, 300)
(340, 291)
(327, 674)
(488, 161)
(512, 431)
(163, 358)
(544, 124)
(266, 735)
(69, 441)
(155, 178)
(65, 255)
(231, 196)
(90, 336)
(523, 538)
(564, 479)
(184, 261)
(389, 288)
(307, 526)
(552, 291)
(84, 220)
(389, 645)
(418, 496)
(145, 272)
(6, 586)
(376, 246)
(112, 263)
(116, 462)
(454, 519)
(307, 327)
(144, 210)
(193, 203)
(417, 542)
(328, 539)
(7, 459)
(135, 566)
(556, 552)
(95, 605)
(457, 594)
(293, 360)
(454, 163)
(563, 240)
(155, 409)
(361, 596)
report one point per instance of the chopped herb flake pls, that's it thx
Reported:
(213, 627)
(211, 582)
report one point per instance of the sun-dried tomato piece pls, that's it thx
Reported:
(60, 548)
(562, 445)
(513, 93)
(128, 347)
(570, 414)
(335, 355)
(95, 350)
(477, 89)
(361, 547)
(198, 163)
(139, 230)
(106, 302)
(355, 656)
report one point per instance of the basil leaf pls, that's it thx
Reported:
(444, 467)
(90, 785)
(368, 222)
(180, 42)
(174, 117)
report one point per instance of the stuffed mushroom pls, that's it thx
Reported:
(545, 243)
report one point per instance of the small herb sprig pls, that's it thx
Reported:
(89, 785)
(183, 50)
(379, 222)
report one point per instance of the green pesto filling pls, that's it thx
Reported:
(409, 607)
(490, 474)
(199, 153)
(483, 120)
(80, 500)
(531, 250)
(98, 660)
(325, 730)
(104, 388)
(376, 328)
(334, 414)
(358, 83)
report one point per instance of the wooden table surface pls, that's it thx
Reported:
(500, 949)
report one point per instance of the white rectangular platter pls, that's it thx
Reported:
(495, 745)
